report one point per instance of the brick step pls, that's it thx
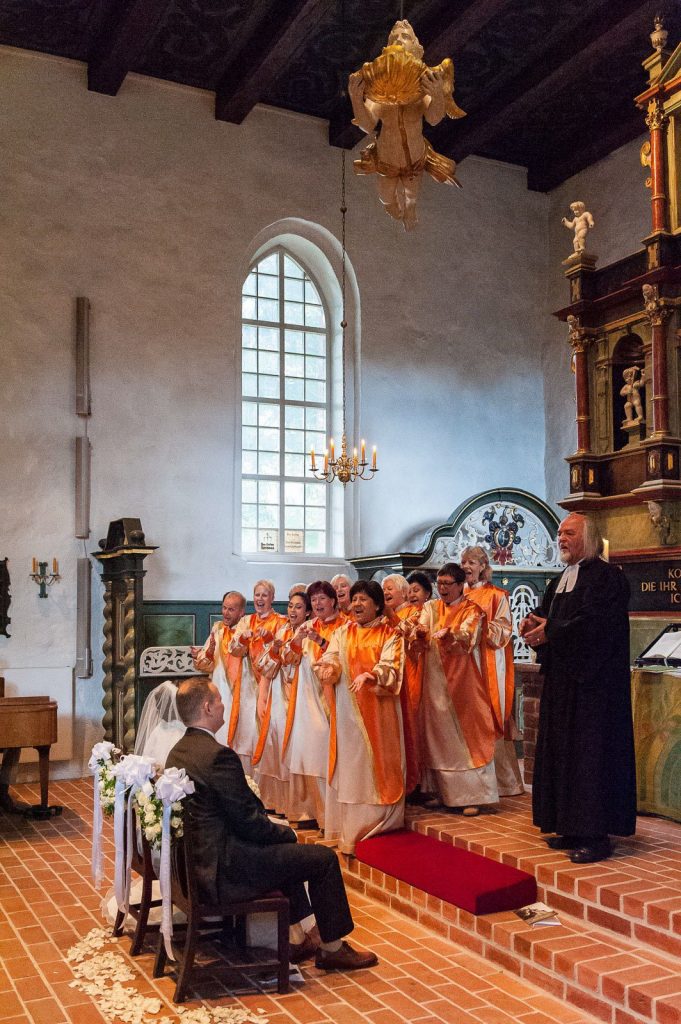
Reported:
(597, 971)
(635, 894)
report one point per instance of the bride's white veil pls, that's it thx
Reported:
(160, 726)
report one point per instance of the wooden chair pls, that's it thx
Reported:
(202, 922)
(142, 864)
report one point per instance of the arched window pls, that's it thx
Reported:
(286, 401)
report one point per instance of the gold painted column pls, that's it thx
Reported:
(658, 316)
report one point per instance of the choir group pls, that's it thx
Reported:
(364, 695)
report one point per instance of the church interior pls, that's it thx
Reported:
(501, 352)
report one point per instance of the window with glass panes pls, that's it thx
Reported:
(285, 401)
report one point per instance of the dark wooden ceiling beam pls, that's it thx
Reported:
(451, 35)
(441, 35)
(565, 65)
(123, 39)
(549, 169)
(265, 56)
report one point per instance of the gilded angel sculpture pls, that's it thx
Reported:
(399, 90)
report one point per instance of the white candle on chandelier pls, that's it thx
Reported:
(363, 449)
(326, 462)
(373, 457)
(314, 464)
(354, 458)
(331, 450)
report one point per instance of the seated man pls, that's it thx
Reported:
(239, 853)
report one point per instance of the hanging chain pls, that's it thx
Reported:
(344, 323)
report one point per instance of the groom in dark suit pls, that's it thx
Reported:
(239, 853)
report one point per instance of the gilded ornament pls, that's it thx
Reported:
(656, 116)
(398, 90)
(646, 160)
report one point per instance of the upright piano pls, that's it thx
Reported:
(27, 722)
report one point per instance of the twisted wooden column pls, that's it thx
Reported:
(107, 665)
(128, 686)
(658, 315)
(578, 340)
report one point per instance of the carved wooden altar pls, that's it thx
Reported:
(627, 317)
(122, 557)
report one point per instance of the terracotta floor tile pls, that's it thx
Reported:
(82, 1014)
(10, 1005)
(21, 967)
(29, 989)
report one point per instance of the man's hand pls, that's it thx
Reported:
(533, 630)
(363, 679)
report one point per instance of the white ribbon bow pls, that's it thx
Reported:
(173, 785)
(131, 773)
(100, 752)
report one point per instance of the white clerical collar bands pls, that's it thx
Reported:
(567, 581)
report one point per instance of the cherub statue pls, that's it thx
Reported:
(581, 222)
(633, 410)
(399, 90)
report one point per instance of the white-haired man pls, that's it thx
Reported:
(584, 786)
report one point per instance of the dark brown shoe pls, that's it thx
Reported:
(299, 951)
(345, 959)
(592, 851)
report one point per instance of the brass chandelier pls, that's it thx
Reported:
(344, 467)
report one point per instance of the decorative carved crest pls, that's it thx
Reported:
(168, 662)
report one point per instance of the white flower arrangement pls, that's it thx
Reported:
(149, 810)
(104, 756)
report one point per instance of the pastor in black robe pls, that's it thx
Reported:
(585, 773)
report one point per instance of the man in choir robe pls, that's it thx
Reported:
(457, 723)
(584, 786)
(240, 854)
(215, 659)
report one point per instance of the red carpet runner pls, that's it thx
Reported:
(469, 881)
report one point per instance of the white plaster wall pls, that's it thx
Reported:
(146, 205)
(614, 191)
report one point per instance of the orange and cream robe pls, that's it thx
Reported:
(269, 770)
(407, 617)
(497, 651)
(456, 721)
(243, 726)
(306, 739)
(224, 668)
(365, 792)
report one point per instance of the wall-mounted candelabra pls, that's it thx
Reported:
(42, 577)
